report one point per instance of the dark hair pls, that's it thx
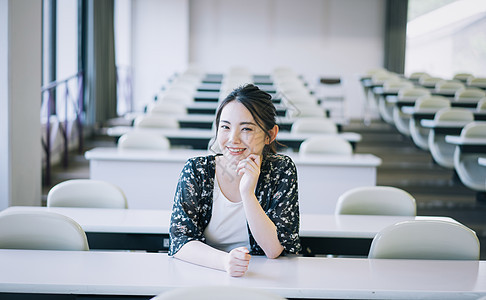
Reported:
(259, 104)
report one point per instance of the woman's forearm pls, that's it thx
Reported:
(262, 228)
(199, 253)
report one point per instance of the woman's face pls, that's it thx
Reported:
(238, 133)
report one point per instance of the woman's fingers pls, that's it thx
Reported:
(238, 261)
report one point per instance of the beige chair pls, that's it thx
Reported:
(306, 111)
(415, 76)
(479, 82)
(141, 140)
(325, 145)
(464, 77)
(430, 104)
(466, 163)
(442, 151)
(384, 107)
(376, 200)
(40, 230)
(429, 81)
(156, 121)
(86, 193)
(216, 293)
(469, 94)
(167, 108)
(314, 125)
(448, 87)
(425, 239)
(481, 105)
(401, 120)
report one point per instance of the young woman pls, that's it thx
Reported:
(241, 201)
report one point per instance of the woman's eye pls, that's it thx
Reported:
(246, 129)
(224, 127)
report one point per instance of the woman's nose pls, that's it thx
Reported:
(234, 136)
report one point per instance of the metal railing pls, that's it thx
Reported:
(72, 110)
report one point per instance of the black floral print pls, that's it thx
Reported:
(276, 190)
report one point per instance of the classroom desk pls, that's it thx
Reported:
(216, 87)
(126, 275)
(147, 229)
(429, 113)
(205, 121)
(210, 108)
(149, 178)
(468, 145)
(199, 138)
(444, 127)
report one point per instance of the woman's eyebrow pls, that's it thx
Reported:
(241, 123)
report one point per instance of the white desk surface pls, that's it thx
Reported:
(459, 140)
(135, 273)
(117, 131)
(157, 221)
(441, 124)
(149, 178)
(482, 161)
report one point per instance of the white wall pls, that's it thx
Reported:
(20, 84)
(314, 37)
(160, 37)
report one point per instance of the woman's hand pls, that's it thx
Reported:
(249, 169)
(237, 262)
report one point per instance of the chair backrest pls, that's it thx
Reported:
(412, 93)
(177, 96)
(477, 82)
(216, 293)
(469, 94)
(86, 193)
(481, 105)
(474, 130)
(436, 102)
(143, 141)
(40, 230)
(395, 86)
(448, 86)
(156, 121)
(418, 75)
(316, 125)
(462, 76)
(325, 144)
(454, 114)
(425, 239)
(306, 111)
(376, 200)
(427, 81)
(167, 108)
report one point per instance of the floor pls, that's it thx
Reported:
(437, 191)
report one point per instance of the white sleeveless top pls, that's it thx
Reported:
(227, 228)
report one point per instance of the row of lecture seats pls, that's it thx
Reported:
(407, 240)
(452, 107)
(315, 145)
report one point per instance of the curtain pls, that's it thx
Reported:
(395, 35)
(100, 69)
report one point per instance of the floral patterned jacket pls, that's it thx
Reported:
(276, 190)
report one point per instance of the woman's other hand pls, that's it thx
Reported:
(237, 262)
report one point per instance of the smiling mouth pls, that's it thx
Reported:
(235, 150)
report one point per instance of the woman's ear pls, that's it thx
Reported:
(273, 135)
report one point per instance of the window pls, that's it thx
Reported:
(445, 37)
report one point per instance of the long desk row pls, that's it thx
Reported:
(199, 138)
(29, 274)
(149, 178)
(147, 229)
